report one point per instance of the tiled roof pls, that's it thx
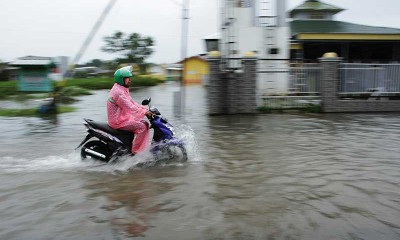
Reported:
(329, 26)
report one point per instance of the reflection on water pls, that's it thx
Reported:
(301, 175)
(141, 196)
(276, 176)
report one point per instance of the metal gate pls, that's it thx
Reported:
(284, 85)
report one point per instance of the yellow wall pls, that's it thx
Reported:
(195, 70)
(346, 36)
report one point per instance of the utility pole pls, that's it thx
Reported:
(180, 96)
(93, 31)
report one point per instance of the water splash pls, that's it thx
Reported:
(146, 159)
(187, 134)
(72, 161)
(66, 162)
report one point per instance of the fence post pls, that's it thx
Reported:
(232, 92)
(216, 89)
(329, 81)
(247, 86)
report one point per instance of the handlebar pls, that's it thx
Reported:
(151, 116)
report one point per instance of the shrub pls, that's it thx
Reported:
(8, 88)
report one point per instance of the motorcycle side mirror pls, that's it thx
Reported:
(146, 101)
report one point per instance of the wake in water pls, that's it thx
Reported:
(73, 162)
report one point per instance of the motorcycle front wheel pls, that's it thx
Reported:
(95, 150)
(171, 153)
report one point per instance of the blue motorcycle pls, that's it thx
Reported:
(112, 144)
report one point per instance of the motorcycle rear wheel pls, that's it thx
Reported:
(96, 146)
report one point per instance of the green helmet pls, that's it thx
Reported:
(121, 74)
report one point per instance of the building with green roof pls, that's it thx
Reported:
(315, 32)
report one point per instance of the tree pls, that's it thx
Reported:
(96, 63)
(133, 47)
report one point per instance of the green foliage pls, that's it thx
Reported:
(91, 83)
(96, 63)
(18, 112)
(264, 109)
(23, 97)
(72, 91)
(312, 108)
(144, 81)
(31, 112)
(133, 47)
(8, 88)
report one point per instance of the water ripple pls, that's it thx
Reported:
(286, 176)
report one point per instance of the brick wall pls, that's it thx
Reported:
(232, 92)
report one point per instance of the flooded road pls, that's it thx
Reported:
(275, 176)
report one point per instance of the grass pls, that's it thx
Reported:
(23, 97)
(73, 91)
(31, 112)
(311, 108)
(264, 109)
(8, 88)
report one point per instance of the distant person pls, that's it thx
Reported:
(125, 114)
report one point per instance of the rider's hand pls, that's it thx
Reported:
(149, 114)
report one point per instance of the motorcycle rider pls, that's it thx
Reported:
(124, 113)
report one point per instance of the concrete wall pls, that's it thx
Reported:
(330, 102)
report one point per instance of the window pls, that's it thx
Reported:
(316, 16)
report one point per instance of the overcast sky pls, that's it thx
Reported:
(59, 27)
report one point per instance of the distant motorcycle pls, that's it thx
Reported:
(112, 144)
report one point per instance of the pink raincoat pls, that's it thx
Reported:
(125, 114)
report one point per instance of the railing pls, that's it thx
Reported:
(357, 80)
(303, 82)
(361, 78)
(304, 78)
(296, 78)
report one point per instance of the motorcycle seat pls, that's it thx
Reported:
(106, 128)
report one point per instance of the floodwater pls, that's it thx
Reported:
(274, 176)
